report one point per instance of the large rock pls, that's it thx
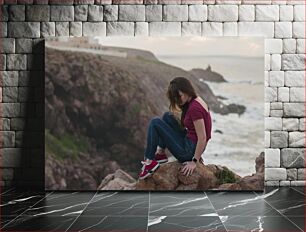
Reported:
(169, 177)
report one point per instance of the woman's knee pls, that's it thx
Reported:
(155, 121)
(167, 116)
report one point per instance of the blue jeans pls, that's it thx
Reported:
(166, 132)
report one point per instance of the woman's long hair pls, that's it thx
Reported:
(184, 85)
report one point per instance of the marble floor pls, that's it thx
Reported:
(274, 210)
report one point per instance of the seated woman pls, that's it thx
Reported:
(185, 139)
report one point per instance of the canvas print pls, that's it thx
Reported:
(154, 113)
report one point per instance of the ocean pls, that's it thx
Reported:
(236, 140)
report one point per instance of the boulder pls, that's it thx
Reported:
(169, 177)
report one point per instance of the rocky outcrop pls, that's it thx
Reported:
(207, 75)
(169, 177)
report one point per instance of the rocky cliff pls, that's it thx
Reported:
(108, 102)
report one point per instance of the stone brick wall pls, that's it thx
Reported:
(24, 24)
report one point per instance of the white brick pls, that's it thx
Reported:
(94, 29)
(297, 182)
(191, 29)
(273, 46)
(294, 110)
(295, 78)
(297, 94)
(283, 30)
(267, 13)
(20, 29)
(284, 183)
(276, 105)
(175, 13)
(265, 29)
(197, 13)
(111, 13)
(273, 123)
(267, 62)
(275, 174)
(286, 13)
(299, 13)
(256, 2)
(194, 2)
(47, 29)
(154, 13)
(279, 2)
(165, 28)
(276, 62)
(62, 29)
(212, 29)
(75, 29)
(80, 13)
(267, 139)
(272, 183)
(290, 124)
(279, 139)
(131, 13)
(272, 158)
(176, 2)
(209, 2)
(267, 109)
(298, 30)
(62, 13)
(141, 29)
(222, 13)
(271, 94)
(300, 48)
(120, 28)
(277, 79)
(289, 46)
(95, 13)
(295, 2)
(246, 13)
(283, 94)
(230, 29)
(302, 124)
(296, 139)
(229, 2)
(293, 62)
(267, 78)
(277, 113)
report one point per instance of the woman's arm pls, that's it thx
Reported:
(199, 126)
(201, 145)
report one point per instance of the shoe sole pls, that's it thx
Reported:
(150, 172)
(162, 161)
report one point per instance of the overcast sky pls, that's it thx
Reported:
(192, 46)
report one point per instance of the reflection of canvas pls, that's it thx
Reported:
(102, 92)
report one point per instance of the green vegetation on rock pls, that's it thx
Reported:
(67, 146)
(225, 176)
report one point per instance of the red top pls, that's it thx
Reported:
(197, 111)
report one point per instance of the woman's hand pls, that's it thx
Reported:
(188, 168)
